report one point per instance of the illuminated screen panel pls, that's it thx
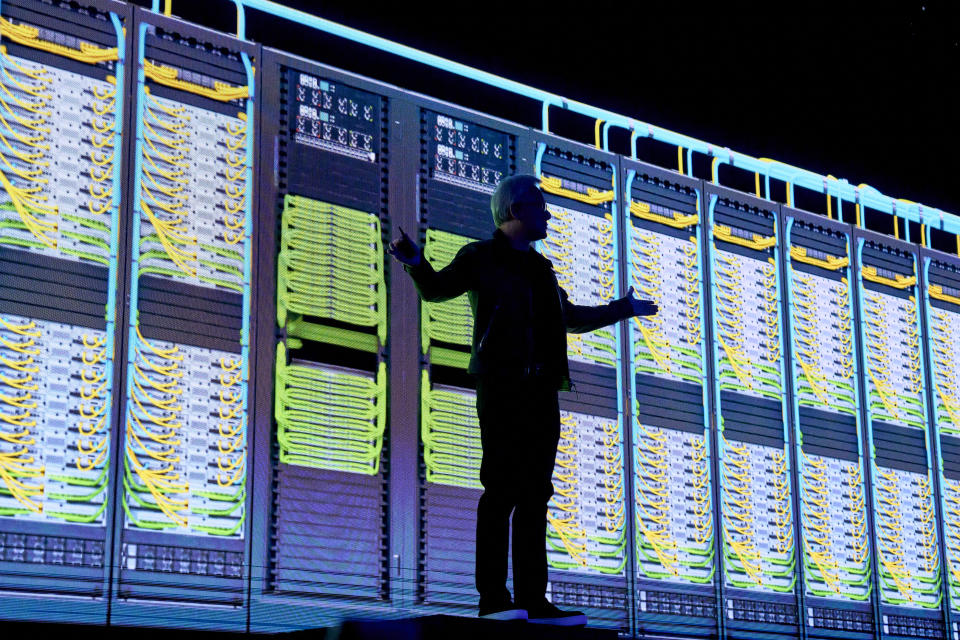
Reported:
(61, 104)
(942, 307)
(185, 420)
(586, 521)
(905, 529)
(674, 533)
(461, 163)
(834, 532)
(329, 379)
(757, 535)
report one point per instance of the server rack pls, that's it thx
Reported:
(65, 74)
(673, 498)
(463, 155)
(908, 565)
(183, 488)
(756, 491)
(325, 345)
(587, 540)
(941, 304)
(833, 519)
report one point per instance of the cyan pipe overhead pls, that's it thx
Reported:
(868, 197)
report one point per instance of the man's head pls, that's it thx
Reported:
(518, 207)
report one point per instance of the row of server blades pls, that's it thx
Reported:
(221, 406)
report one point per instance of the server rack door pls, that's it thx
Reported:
(674, 508)
(833, 523)
(757, 533)
(902, 484)
(63, 99)
(183, 488)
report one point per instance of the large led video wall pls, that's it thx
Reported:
(223, 406)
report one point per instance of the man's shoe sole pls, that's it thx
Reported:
(507, 614)
(565, 621)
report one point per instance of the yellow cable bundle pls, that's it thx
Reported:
(832, 263)
(676, 220)
(897, 282)
(20, 463)
(759, 243)
(30, 37)
(592, 196)
(169, 76)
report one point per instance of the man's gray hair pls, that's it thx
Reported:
(509, 191)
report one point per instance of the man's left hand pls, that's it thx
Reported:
(641, 307)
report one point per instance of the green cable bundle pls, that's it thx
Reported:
(330, 417)
(451, 435)
(450, 321)
(330, 266)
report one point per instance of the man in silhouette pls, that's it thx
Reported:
(519, 357)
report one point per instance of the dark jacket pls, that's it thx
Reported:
(500, 281)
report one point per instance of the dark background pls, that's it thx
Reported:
(862, 91)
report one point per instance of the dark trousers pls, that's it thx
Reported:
(519, 431)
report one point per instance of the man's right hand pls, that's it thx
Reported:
(405, 250)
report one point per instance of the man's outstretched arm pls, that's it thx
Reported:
(584, 319)
(434, 286)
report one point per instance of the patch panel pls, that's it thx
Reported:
(834, 534)
(184, 448)
(586, 518)
(328, 416)
(462, 162)
(330, 282)
(450, 432)
(55, 442)
(908, 554)
(449, 322)
(583, 250)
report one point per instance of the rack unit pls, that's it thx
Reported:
(941, 298)
(63, 90)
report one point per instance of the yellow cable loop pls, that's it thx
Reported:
(30, 73)
(33, 107)
(153, 481)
